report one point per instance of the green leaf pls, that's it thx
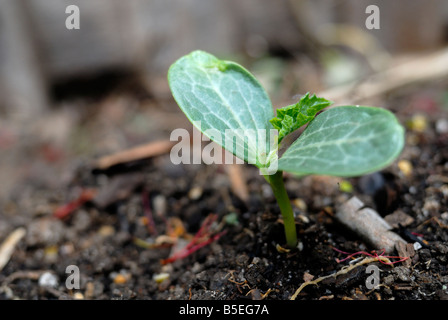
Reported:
(292, 117)
(222, 95)
(345, 141)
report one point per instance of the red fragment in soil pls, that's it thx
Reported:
(65, 210)
(202, 238)
(417, 234)
(373, 254)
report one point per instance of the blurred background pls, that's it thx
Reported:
(70, 95)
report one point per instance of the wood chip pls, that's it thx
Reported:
(238, 181)
(405, 250)
(368, 225)
(7, 247)
(399, 217)
(307, 277)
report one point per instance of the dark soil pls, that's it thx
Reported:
(112, 241)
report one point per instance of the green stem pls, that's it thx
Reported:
(276, 182)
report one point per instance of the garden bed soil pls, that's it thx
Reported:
(144, 211)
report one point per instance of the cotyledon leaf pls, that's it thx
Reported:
(226, 101)
(345, 141)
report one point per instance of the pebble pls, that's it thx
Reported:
(48, 279)
(195, 193)
(45, 231)
(78, 296)
(388, 280)
(412, 190)
(159, 204)
(300, 204)
(266, 191)
(51, 254)
(106, 231)
(444, 216)
(417, 246)
(120, 277)
(442, 126)
(90, 290)
(399, 217)
(405, 167)
(425, 255)
(443, 249)
(430, 206)
(81, 221)
(371, 183)
(418, 123)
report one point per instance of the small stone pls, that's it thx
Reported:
(51, 254)
(159, 204)
(78, 296)
(300, 204)
(425, 255)
(441, 248)
(120, 279)
(388, 280)
(444, 216)
(371, 183)
(405, 167)
(106, 231)
(47, 279)
(430, 207)
(418, 123)
(195, 193)
(90, 290)
(45, 231)
(161, 277)
(399, 217)
(81, 221)
(442, 126)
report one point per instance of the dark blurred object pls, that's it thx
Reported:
(405, 25)
(384, 188)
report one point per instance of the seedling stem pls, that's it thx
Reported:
(278, 187)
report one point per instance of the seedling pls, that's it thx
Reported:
(220, 96)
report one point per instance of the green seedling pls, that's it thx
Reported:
(344, 141)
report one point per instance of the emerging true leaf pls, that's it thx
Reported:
(227, 100)
(345, 141)
(292, 117)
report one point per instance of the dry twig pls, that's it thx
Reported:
(145, 151)
(344, 270)
(7, 247)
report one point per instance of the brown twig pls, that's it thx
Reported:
(145, 151)
(238, 181)
(344, 270)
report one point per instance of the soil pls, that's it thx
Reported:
(144, 211)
